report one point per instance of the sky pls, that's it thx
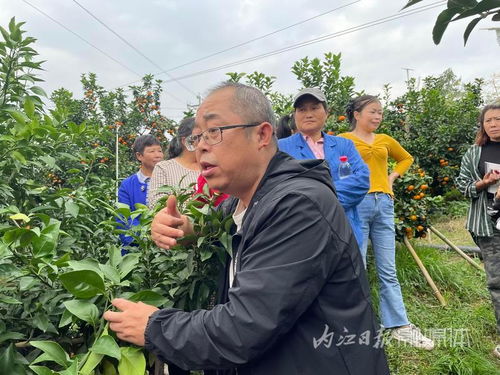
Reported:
(170, 33)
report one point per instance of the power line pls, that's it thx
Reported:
(132, 46)
(316, 40)
(162, 71)
(81, 38)
(93, 46)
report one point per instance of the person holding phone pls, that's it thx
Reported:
(475, 181)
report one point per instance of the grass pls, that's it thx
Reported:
(452, 228)
(464, 330)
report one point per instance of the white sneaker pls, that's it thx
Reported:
(412, 336)
(496, 351)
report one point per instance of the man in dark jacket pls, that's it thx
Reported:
(296, 296)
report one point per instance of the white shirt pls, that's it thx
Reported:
(238, 220)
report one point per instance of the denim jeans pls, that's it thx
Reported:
(376, 213)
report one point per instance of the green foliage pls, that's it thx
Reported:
(459, 9)
(413, 204)
(60, 263)
(282, 104)
(436, 124)
(17, 67)
(464, 331)
(326, 76)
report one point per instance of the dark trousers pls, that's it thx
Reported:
(490, 249)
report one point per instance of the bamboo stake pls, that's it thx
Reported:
(428, 277)
(460, 252)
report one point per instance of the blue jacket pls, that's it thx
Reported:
(350, 190)
(131, 191)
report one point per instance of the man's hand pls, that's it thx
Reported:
(169, 224)
(130, 323)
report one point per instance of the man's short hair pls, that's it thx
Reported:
(144, 141)
(249, 102)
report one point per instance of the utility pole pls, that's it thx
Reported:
(497, 30)
(407, 73)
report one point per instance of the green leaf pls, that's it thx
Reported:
(482, 6)
(86, 264)
(49, 160)
(27, 282)
(29, 107)
(462, 3)
(46, 243)
(108, 368)
(71, 370)
(66, 318)
(54, 352)
(19, 157)
(132, 362)
(11, 336)
(5, 34)
(72, 209)
(9, 300)
(470, 27)
(111, 273)
(22, 217)
(441, 24)
(115, 256)
(91, 363)
(8, 362)
(83, 310)
(149, 297)
(38, 90)
(107, 345)
(127, 264)
(20, 117)
(42, 322)
(83, 284)
(42, 370)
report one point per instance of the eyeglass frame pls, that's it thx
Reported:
(190, 140)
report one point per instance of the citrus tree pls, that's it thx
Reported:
(60, 260)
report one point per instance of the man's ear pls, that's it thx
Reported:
(265, 134)
(138, 156)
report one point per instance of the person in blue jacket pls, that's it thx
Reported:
(134, 189)
(310, 142)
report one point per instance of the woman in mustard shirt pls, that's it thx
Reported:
(376, 212)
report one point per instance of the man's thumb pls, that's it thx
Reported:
(123, 304)
(172, 206)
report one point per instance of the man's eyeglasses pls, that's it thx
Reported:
(211, 136)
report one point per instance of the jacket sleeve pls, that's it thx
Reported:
(352, 190)
(283, 268)
(466, 182)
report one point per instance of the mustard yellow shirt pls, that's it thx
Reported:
(376, 156)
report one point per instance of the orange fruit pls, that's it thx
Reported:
(420, 228)
(446, 178)
(450, 148)
(329, 132)
(413, 217)
(417, 197)
(422, 195)
(410, 188)
(341, 118)
(441, 161)
(424, 187)
(408, 230)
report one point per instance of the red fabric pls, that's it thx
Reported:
(200, 183)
